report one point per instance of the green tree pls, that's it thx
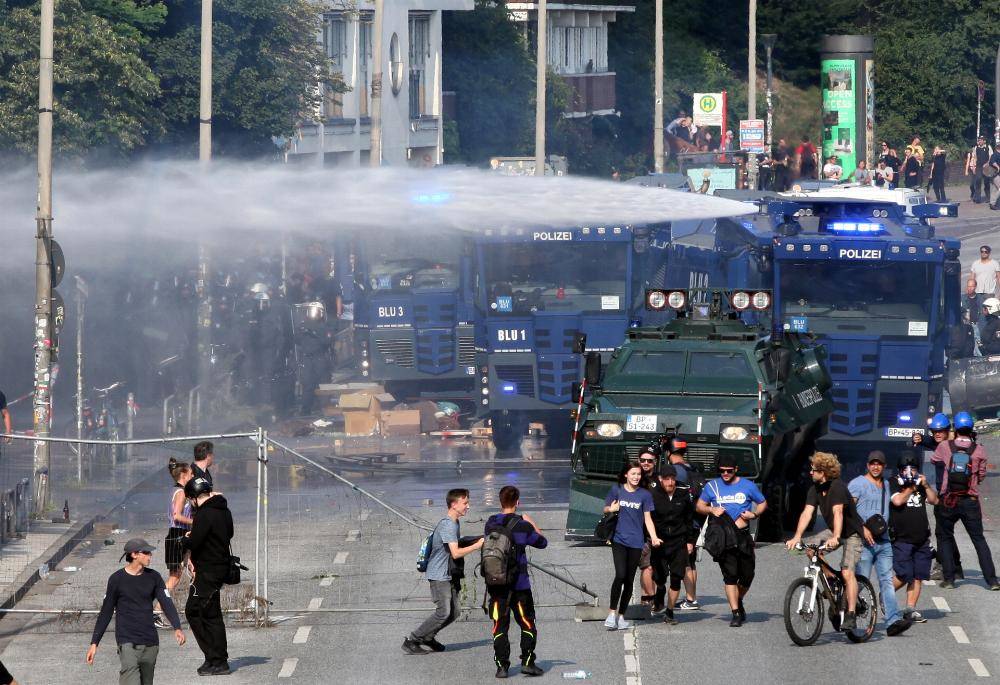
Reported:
(103, 90)
(487, 63)
(266, 66)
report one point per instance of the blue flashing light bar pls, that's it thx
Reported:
(508, 388)
(905, 418)
(431, 198)
(855, 227)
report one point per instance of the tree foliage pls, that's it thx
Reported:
(103, 90)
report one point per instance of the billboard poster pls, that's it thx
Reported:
(752, 135)
(839, 125)
(870, 112)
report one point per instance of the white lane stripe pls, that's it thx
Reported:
(340, 558)
(315, 603)
(959, 634)
(288, 668)
(326, 582)
(301, 635)
(941, 603)
(978, 668)
(631, 644)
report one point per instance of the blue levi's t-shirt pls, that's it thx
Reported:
(734, 498)
(631, 515)
(437, 563)
(871, 500)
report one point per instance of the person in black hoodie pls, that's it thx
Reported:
(208, 543)
(673, 518)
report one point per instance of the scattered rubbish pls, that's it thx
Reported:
(109, 542)
(119, 531)
(428, 502)
(69, 569)
(322, 423)
(43, 571)
(576, 675)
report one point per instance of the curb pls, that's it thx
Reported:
(61, 548)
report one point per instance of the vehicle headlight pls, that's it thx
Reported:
(735, 433)
(609, 430)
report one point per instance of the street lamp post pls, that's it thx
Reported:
(752, 89)
(658, 161)
(769, 41)
(205, 103)
(375, 153)
(540, 75)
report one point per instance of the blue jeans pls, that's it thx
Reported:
(879, 555)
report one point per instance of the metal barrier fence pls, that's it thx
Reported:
(313, 527)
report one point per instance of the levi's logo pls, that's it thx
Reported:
(630, 505)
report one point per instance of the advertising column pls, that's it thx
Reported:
(847, 73)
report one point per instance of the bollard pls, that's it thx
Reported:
(167, 428)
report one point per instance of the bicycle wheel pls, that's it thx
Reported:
(803, 625)
(866, 612)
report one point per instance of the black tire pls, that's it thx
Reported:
(813, 620)
(867, 600)
(508, 432)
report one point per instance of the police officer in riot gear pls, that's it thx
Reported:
(991, 327)
(314, 350)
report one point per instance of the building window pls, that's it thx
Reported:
(420, 52)
(578, 49)
(335, 43)
(364, 60)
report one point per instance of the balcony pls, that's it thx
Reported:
(592, 93)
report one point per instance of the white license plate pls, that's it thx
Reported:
(641, 423)
(897, 432)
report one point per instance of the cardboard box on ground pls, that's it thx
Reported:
(369, 410)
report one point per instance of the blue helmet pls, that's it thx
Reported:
(940, 422)
(963, 419)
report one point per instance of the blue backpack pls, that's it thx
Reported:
(424, 553)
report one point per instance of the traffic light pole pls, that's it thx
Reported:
(43, 267)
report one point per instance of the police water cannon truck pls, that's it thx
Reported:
(537, 289)
(413, 319)
(725, 386)
(877, 287)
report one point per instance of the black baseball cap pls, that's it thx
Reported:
(668, 471)
(136, 545)
(876, 455)
(727, 461)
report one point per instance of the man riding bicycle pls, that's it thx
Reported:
(831, 495)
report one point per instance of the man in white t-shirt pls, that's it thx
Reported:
(832, 171)
(984, 270)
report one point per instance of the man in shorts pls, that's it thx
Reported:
(649, 462)
(911, 545)
(834, 501)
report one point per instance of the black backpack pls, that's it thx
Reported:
(959, 468)
(498, 564)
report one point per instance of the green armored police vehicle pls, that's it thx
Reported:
(711, 379)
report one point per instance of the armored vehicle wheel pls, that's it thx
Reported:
(508, 432)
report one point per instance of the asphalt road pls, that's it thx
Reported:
(333, 548)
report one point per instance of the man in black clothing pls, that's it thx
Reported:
(690, 479)
(831, 496)
(988, 182)
(203, 459)
(5, 413)
(979, 157)
(673, 517)
(991, 326)
(130, 595)
(208, 542)
(911, 545)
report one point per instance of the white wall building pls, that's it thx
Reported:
(411, 86)
(577, 49)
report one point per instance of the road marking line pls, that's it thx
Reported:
(340, 558)
(288, 668)
(959, 634)
(315, 603)
(301, 635)
(352, 535)
(326, 582)
(941, 603)
(978, 668)
(631, 644)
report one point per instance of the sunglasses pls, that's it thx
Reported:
(646, 461)
(815, 470)
(727, 470)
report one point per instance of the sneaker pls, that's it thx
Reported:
(531, 669)
(936, 573)
(657, 608)
(689, 605)
(219, 669)
(995, 586)
(850, 621)
(899, 627)
(668, 618)
(501, 672)
(947, 585)
(433, 644)
(742, 611)
(735, 621)
(203, 669)
(622, 623)
(411, 646)
(915, 616)
(161, 622)
(611, 622)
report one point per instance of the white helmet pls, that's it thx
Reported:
(991, 305)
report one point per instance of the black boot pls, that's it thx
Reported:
(735, 621)
(502, 671)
